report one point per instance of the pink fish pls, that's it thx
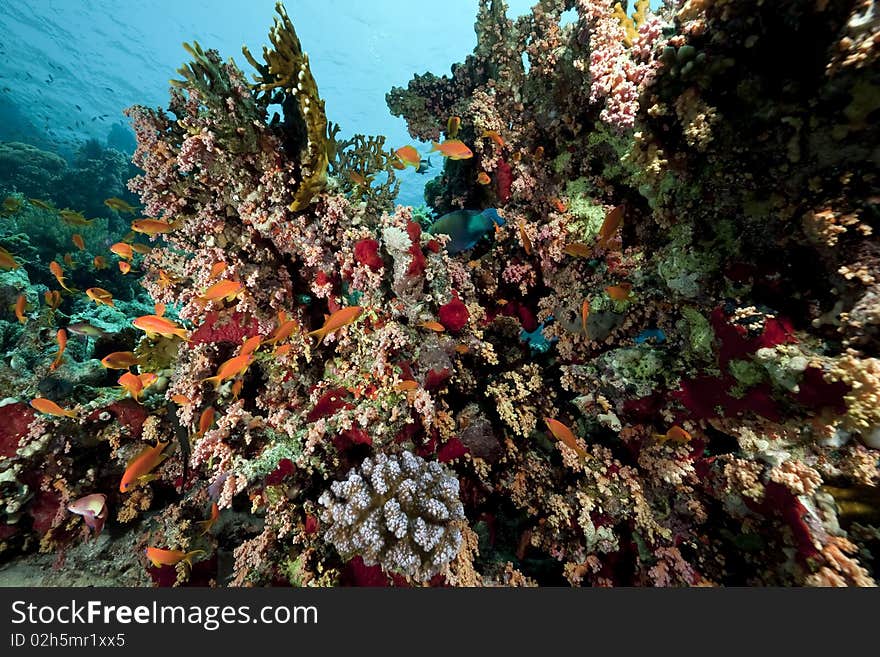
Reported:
(93, 509)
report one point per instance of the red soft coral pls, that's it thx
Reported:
(366, 252)
(453, 315)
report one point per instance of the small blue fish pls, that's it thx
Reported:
(465, 227)
(651, 334)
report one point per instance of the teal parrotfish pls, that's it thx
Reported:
(465, 227)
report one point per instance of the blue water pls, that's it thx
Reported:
(105, 55)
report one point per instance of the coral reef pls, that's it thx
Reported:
(659, 367)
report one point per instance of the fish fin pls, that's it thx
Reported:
(188, 557)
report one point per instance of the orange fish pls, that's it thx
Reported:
(585, 313)
(675, 434)
(342, 317)
(78, 241)
(181, 400)
(612, 223)
(7, 261)
(223, 290)
(409, 156)
(404, 386)
(123, 250)
(100, 262)
(453, 125)
(154, 325)
(206, 419)
(119, 360)
(524, 237)
(61, 338)
(494, 136)
(285, 330)
(462, 348)
(282, 350)
(558, 204)
(539, 153)
(232, 368)
(52, 298)
(19, 308)
(210, 522)
(148, 379)
(433, 326)
(250, 345)
(216, 269)
(563, 434)
(159, 557)
(578, 250)
(454, 149)
(100, 296)
(124, 267)
(483, 178)
(139, 468)
(143, 249)
(619, 292)
(68, 260)
(236, 388)
(49, 407)
(152, 227)
(57, 272)
(165, 279)
(132, 384)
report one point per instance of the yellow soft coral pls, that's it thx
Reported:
(631, 25)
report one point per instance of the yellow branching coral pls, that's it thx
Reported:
(287, 78)
(631, 25)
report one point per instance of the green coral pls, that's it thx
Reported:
(699, 332)
(356, 163)
(587, 216)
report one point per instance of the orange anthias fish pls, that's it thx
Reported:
(342, 317)
(675, 434)
(58, 273)
(433, 326)
(495, 137)
(557, 203)
(409, 156)
(7, 261)
(78, 241)
(100, 296)
(454, 149)
(155, 325)
(20, 304)
(99, 262)
(206, 419)
(49, 407)
(210, 522)
(250, 345)
(231, 369)
(119, 360)
(225, 289)
(285, 329)
(283, 350)
(216, 269)
(124, 267)
(405, 386)
(236, 387)
(483, 178)
(181, 400)
(143, 249)
(563, 434)
(140, 467)
(61, 338)
(578, 250)
(619, 292)
(148, 379)
(613, 221)
(524, 237)
(165, 279)
(453, 125)
(585, 314)
(123, 250)
(132, 384)
(68, 260)
(52, 298)
(159, 557)
(152, 227)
